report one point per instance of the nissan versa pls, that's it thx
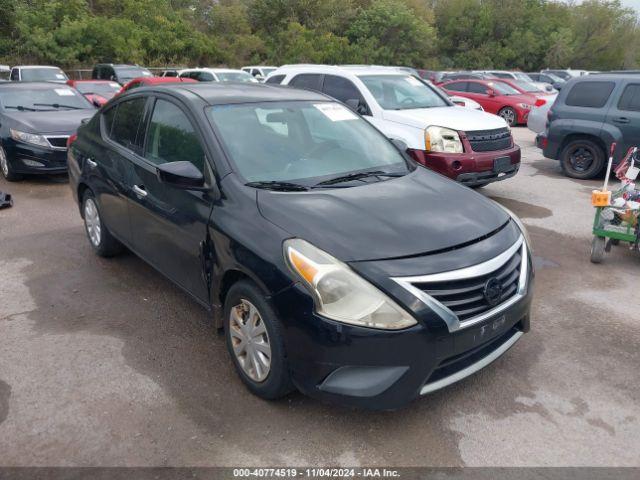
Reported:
(36, 119)
(335, 264)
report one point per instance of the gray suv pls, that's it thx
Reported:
(591, 113)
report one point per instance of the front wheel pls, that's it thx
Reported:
(255, 342)
(597, 249)
(509, 115)
(7, 169)
(582, 159)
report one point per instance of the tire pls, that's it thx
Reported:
(100, 238)
(243, 301)
(582, 159)
(6, 169)
(509, 115)
(597, 249)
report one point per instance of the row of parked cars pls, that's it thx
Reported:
(302, 218)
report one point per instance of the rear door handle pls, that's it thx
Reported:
(621, 120)
(139, 191)
(91, 163)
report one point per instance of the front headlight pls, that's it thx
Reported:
(440, 139)
(525, 106)
(31, 138)
(341, 294)
(520, 225)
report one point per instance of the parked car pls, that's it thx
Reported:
(98, 92)
(217, 75)
(469, 146)
(120, 73)
(526, 87)
(170, 72)
(566, 74)
(146, 81)
(36, 119)
(495, 97)
(449, 76)
(37, 73)
(520, 77)
(259, 72)
(303, 230)
(590, 113)
(5, 72)
(538, 116)
(556, 82)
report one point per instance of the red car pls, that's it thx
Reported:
(495, 97)
(524, 87)
(98, 92)
(145, 81)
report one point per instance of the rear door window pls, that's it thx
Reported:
(310, 81)
(630, 99)
(127, 121)
(590, 94)
(275, 79)
(341, 89)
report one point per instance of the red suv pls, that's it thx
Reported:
(495, 97)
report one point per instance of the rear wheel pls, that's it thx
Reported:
(255, 342)
(101, 240)
(582, 159)
(597, 249)
(509, 115)
(7, 169)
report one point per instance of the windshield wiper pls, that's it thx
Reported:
(276, 185)
(21, 108)
(57, 105)
(358, 176)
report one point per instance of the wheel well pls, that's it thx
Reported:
(582, 136)
(81, 189)
(228, 280)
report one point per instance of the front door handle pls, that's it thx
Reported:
(139, 191)
(621, 120)
(91, 163)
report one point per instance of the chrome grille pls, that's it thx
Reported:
(489, 140)
(466, 298)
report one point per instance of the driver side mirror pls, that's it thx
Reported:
(357, 106)
(183, 175)
(491, 93)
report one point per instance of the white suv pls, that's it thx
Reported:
(471, 146)
(216, 75)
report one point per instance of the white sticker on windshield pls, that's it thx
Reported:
(64, 92)
(413, 81)
(335, 112)
(60, 76)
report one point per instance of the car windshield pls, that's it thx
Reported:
(402, 92)
(303, 142)
(234, 77)
(526, 86)
(522, 76)
(503, 89)
(42, 75)
(40, 99)
(130, 73)
(104, 89)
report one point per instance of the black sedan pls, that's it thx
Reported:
(333, 262)
(36, 120)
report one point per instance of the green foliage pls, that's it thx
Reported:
(524, 34)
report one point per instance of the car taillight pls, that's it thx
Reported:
(540, 102)
(71, 139)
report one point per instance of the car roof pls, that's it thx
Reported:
(33, 85)
(88, 80)
(214, 70)
(599, 77)
(344, 69)
(37, 66)
(217, 93)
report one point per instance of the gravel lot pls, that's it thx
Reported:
(104, 362)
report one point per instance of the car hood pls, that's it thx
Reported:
(416, 214)
(62, 121)
(449, 117)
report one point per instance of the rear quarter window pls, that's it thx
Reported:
(590, 94)
(630, 99)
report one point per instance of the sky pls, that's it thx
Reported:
(635, 4)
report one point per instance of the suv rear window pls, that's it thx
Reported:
(630, 99)
(590, 94)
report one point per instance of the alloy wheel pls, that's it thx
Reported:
(250, 340)
(509, 116)
(4, 164)
(92, 221)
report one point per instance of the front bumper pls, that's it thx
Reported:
(470, 168)
(381, 369)
(32, 159)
